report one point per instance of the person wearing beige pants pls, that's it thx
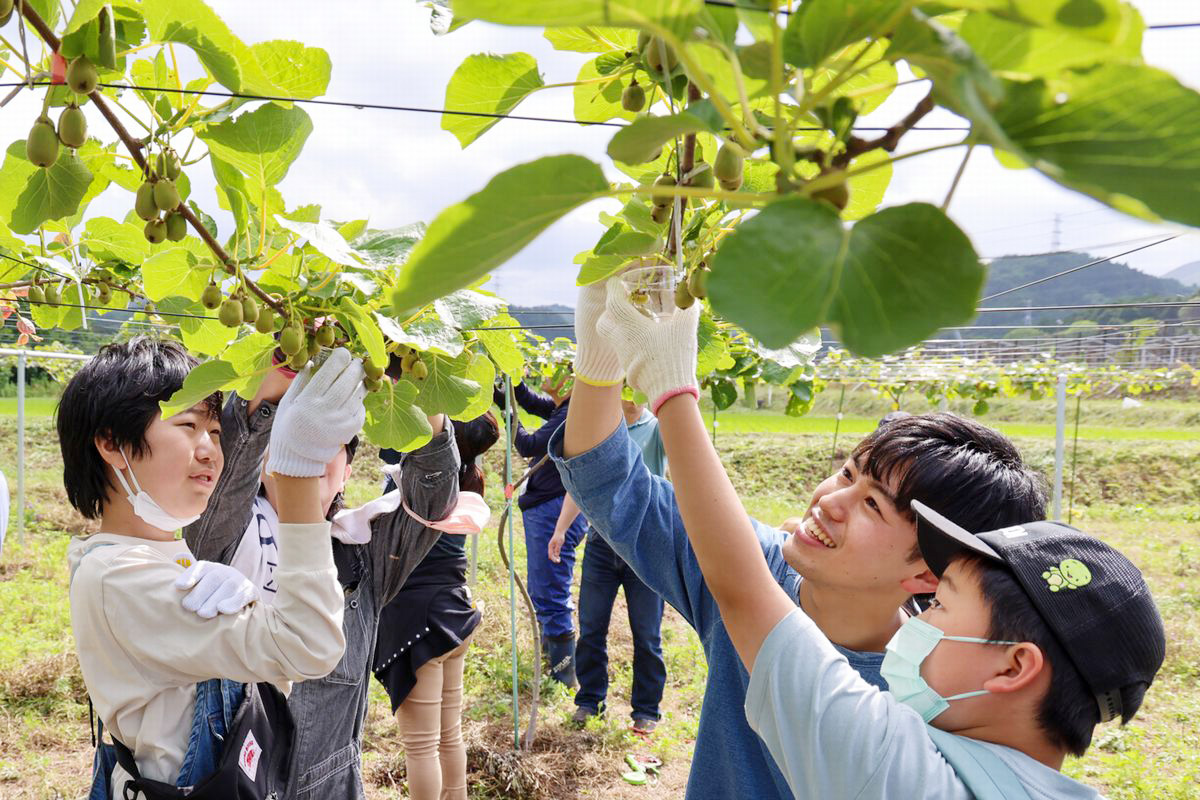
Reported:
(430, 721)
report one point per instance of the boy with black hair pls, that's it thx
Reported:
(851, 563)
(148, 663)
(1009, 691)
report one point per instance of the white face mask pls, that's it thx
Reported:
(146, 507)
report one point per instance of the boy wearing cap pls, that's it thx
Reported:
(1037, 633)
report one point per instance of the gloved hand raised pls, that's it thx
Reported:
(321, 411)
(596, 362)
(659, 356)
(215, 589)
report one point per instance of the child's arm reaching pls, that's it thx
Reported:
(660, 358)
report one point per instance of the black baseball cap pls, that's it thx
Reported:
(1095, 602)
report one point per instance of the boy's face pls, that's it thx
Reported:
(181, 463)
(852, 537)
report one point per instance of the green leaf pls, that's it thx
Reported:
(710, 345)
(1116, 131)
(1020, 51)
(368, 332)
(890, 281)
(388, 247)
(821, 28)
(392, 419)
(250, 353)
(594, 39)
(867, 189)
(201, 333)
(487, 84)
(724, 393)
(468, 308)
(108, 239)
(502, 345)
(447, 389)
(470, 238)
(619, 240)
(173, 273)
(677, 15)
(880, 77)
(431, 333)
(482, 372)
(800, 398)
(640, 141)
(598, 100)
(202, 381)
(30, 196)
(298, 70)
(324, 238)
(261, 144)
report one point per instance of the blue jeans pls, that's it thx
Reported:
(549, 583)
(603, 574)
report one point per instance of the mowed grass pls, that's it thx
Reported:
(1141, 497)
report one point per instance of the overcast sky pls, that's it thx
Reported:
(396, 167)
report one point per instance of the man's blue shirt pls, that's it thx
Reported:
(637, 514)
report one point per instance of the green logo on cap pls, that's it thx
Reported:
(1070, 574)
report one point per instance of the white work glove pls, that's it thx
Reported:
(215, 589)
(320, 412)
(596, 362)
(659, 356)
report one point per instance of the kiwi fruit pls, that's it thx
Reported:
(664, 180)
(407, 361)
(144, 204)
(291, 341)
(51, 294)
(166, 196)
(419, 370)
(697, 282)
(702, 179)
(36, 295)
(168, 164)
(837, 195)
(230, 313)
(373, 384)
(729, 163)
(683, 298)
(72, 126)
(653, 56)
(372, 370)
(731, 185)
(156, 231)
(299, 360)
(42, 144)
(104, 293)
(211, 297)
(266, 321)
(642, 40)
(176, 227)
(660, 214)
(633, 99)
(81, 76)
(249, 308)
(326, 335)
(313, 346)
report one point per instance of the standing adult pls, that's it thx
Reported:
(540, 504)
(604, 573)
(424, 634)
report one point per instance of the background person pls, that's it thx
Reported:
(423, 638)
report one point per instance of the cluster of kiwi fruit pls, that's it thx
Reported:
(42, 144)
(650, 52)
(51, 293)
(158, 200)
(694, 288)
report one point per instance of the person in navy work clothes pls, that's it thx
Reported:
(549, 582)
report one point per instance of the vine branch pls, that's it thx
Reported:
(889, 139)
(135, 148)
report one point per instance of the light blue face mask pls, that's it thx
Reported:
(901, 668)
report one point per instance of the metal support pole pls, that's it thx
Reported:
(21, 448)
(837, 426)
(1060, 424)
(509, 415)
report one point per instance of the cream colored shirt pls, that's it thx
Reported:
(141, 652)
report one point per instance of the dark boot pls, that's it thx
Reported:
(561, 653)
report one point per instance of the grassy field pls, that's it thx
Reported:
(1141, 493)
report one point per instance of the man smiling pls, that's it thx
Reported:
(852, 564)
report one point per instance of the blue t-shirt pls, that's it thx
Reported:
(637, 514)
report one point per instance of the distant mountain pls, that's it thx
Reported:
(1188, 274)
(549, 322)
(1109, 282)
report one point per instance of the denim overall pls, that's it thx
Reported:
(217, 700)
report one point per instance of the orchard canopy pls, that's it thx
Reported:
(740, 168)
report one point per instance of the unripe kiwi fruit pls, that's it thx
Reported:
(729, 163)
(731, 185)
(407, 360)
(642, 40)
(104, 293)
(144, 204)
(653, 56)
(176, 227)
(36, 295)
(419, 371)
(166, 196)
(72, 126)
(291, 340)
(702, 179)
(155, 231)
(81, 76)
(837, 196)
(168, 164)
(266, 321)
(299, 360)
(373, 384)
(52, 294)
(633, 99)
(660, 214)
(42, 144)
(372, 370)
(249, 308)
(326, 335)
(697, 283)
(230, 313)
(683, 298)
(210, 298)
(663, 180)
